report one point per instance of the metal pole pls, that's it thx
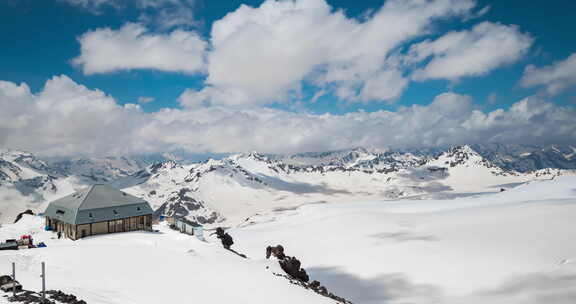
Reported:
(43, 283)
(14, 278)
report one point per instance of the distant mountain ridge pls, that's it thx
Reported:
(526, 158)
(241, 185)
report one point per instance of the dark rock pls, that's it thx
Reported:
(19, 216)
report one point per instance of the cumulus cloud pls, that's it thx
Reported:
(556, 77)
(474, 52)
(100, 124)
(15, 101)
(41, 122)
(265, 52)
(106, 50)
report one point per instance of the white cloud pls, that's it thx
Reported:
(266, 52)
(41, 122)
(132, 47)
(15, 101)
(145, 99)
(556, 78)
(262, 55)
(99, 123)
(476, 52)
(386, 84)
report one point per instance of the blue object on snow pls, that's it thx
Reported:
(199, 233)
(47, 228)
(41, 245)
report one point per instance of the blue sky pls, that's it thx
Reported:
(519, 47)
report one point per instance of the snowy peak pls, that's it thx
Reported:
(464, 163)
(343, 158)
(183, 204)
(9, 172)
(179, 190)
(257, 156)
(528, 158)
(26, 159)
(99, 170)
(18, 166)
(462, 156)
(390, 162)
(163, 167)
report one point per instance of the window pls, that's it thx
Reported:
(115, 212)
(60, 211)
(138, 208)
(90, 214)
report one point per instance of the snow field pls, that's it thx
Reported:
(140, 267)
(461, 251)
(510, 247)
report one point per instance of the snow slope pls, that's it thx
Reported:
(511, 247)
(27, 182)
(141, 267)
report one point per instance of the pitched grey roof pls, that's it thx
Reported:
(97, 203)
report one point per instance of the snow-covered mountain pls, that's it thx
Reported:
(27, 182)
(242, 185)
(526, 158)
(236, 187)
(100, 170)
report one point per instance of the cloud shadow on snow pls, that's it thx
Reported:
(508, 185)
(423, 175)
(404, 236)
(536, 288)
(388, 288)
(299, 188)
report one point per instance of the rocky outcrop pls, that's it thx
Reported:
(297, 275)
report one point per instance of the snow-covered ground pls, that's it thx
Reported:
(141, 267)
(514, 247)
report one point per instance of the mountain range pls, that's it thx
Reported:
(232, 189)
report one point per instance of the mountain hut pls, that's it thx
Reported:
(98, 209)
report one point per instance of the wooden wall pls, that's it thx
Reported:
(142, 222)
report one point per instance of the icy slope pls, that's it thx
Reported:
(511, 247)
